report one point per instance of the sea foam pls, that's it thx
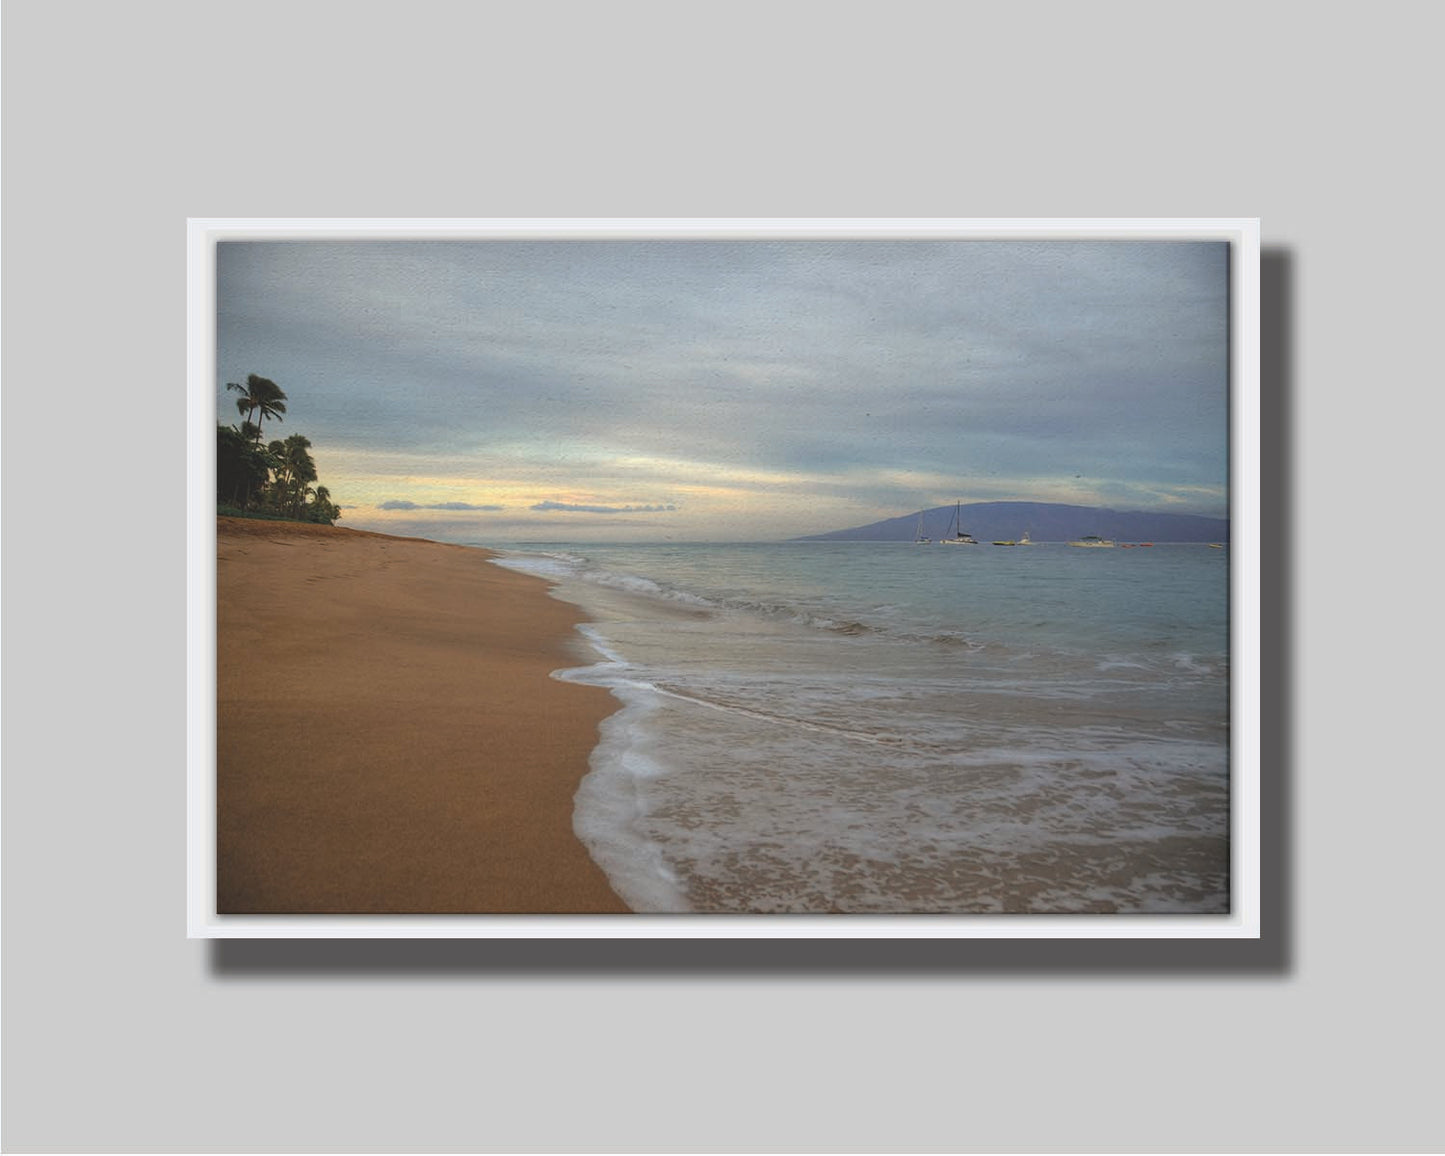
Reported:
(765, 760)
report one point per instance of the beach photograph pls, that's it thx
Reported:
(775, 575)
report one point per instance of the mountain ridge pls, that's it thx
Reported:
(1043, 521)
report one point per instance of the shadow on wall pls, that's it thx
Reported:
(1271, 954)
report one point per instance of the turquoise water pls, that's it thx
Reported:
(890, 728)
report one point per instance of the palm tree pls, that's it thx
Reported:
(321, 508)
(240, 466)
(260, 398)
(298, 468)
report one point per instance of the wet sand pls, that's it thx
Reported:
(388, 738)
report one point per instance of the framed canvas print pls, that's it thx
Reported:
(724, 578)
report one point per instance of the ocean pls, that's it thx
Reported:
(877, 728)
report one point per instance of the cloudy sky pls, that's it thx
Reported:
(505, 390)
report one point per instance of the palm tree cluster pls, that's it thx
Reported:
(274, 479)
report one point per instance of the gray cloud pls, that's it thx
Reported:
(975, 361)
(402, 504)
(580, 509)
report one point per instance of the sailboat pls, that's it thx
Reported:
(918, 537)
(960, 538)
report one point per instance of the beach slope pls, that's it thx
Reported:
(388, 738)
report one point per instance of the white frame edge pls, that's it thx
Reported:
(1244, 921)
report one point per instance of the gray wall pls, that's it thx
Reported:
(123, 119)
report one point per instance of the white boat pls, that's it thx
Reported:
(1094, 541)
(1026, 540)
(918, 538)
(960, 538)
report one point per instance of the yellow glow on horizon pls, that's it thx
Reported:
(714, 499)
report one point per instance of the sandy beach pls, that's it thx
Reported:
(388, 738)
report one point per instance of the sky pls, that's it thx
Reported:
(732, 390)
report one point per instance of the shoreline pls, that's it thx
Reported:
(389, 738)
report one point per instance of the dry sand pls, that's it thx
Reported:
(388, 738)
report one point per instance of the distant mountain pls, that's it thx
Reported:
(1044, 522)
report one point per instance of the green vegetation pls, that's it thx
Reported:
(272, 481)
